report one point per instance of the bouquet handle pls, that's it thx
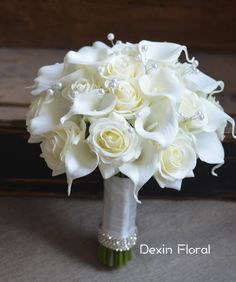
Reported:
(117, 233)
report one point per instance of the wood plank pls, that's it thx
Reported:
(70, 24)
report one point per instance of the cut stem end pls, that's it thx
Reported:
(113, 258)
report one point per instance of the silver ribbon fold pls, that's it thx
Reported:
(118, 230)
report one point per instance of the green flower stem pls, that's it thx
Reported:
(121, 175)
(113, 258)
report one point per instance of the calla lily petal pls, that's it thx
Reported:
(91, 104)
(79, 161)
(88, 55)
(216, 117)
(158, 122)
(161, 51)
(47, 77)
(209, 147)
(199, 81)
(107, 171)
(143, 168)
(48, 116)
(162, 83)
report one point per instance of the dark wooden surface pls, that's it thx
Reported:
(205, 25)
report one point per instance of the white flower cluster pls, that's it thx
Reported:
(129, 108)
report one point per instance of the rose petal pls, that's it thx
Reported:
(164, 183)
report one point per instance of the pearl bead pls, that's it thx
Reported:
(110, 36)
(114, 83)
(130, 129)
(101, 91)
(195, 63)
(144, 48)
(50, 92)
(58, 85)
(200, 115)
(155, 66)
(195, 69)
(138, 115)
(118, 42)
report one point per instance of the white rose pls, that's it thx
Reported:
(129, 99)
(66, 151)
(122, 67)
(56, 144)
(115, 141)
(176, 162)
(82, 85)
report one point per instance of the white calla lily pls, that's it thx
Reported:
(209, 148)
(192, 112)
(92, 103)
(107, 170)
(143, 168)
(162, 82)
(88, 55)
(79, 161)
(66, 151)
(48, 76)
(199, 114)
(200, 82)
(158, 122)
(160, 51)
(217, 118)
(45, 114)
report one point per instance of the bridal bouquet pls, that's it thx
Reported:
(135, 111)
